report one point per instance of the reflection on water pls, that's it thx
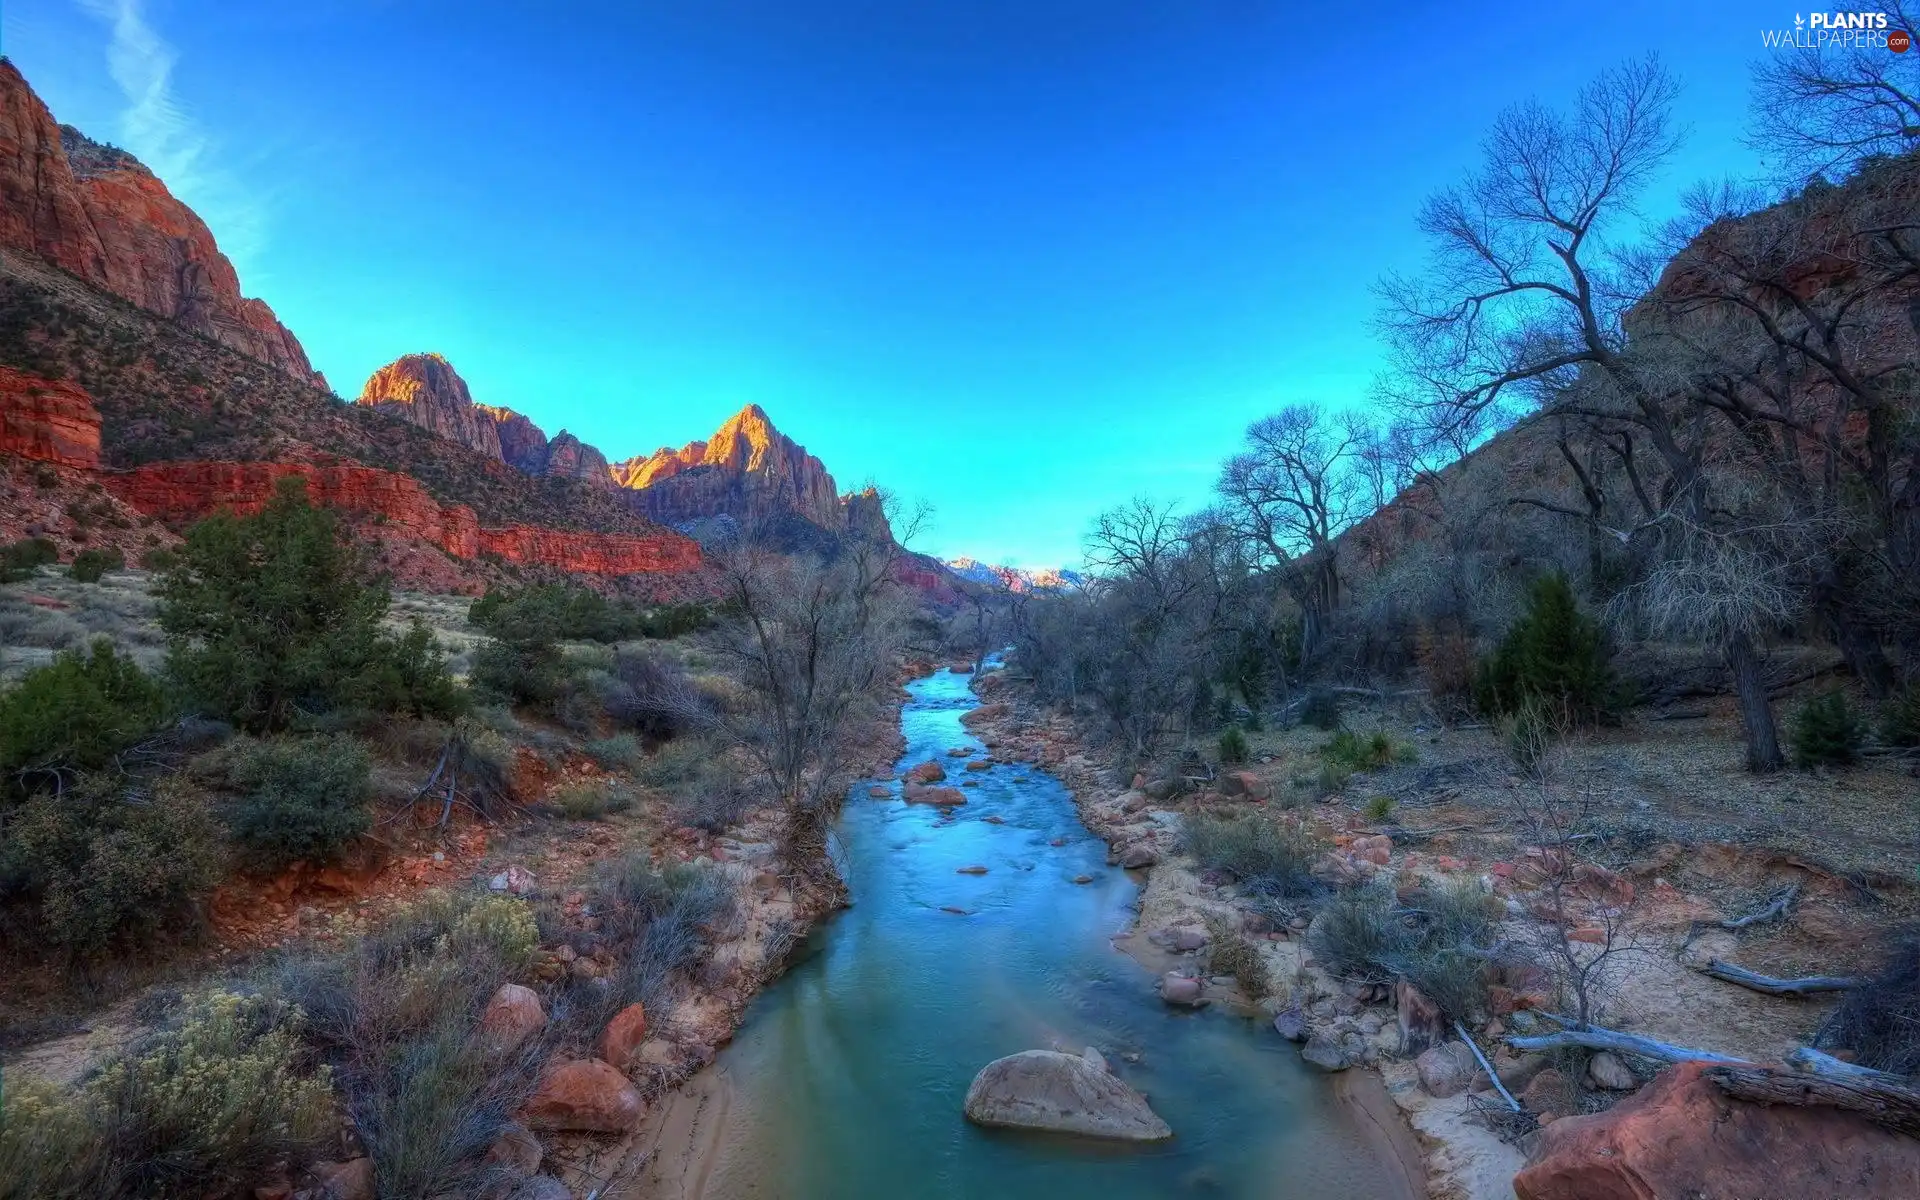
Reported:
(850, 1072)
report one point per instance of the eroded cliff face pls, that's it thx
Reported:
(48, 421)
(184, 491)
(98, 213)
(748, 470)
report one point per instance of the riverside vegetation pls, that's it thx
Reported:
(296, 736)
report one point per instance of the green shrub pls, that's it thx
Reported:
(90, 565)
(267, 615)
(48, 1148)
(1827, 732)
(408, 674)
(1379, 808)
(305, 799)
(1268, 857)
(75, 714)
(1530, 732)
(523, 664)
(617, 753)
(676, 762)
(591, 800)
(1434, 942)
(1233, 745)
(1554, 654)
(1900, 720)
(581, 614)
(102, 863)
(19, 560)
(1369, 753)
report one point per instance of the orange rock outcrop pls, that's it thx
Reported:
(48, 420)
(182, 491)
(747, 469)
(97, 212)
(425, 390)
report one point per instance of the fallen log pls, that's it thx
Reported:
(1890, 1105)
(1810, 1061)
(1803, 986)
(1487, 1067)
(1775, 907)
(1595, 1038)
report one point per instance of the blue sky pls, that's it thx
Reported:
(1020, 259)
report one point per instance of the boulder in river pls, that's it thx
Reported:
(1061, 1093)
(1176, 988)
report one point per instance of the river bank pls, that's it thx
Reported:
(978, 930)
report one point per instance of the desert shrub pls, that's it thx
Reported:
(1554, 654)
(1370, 753)
(1268, 857)
(1233, 745)
(213, 1102)
(1827, 732)
(1880, 1019)
(1228, 953)
(304, 799)
(75, 714)
(675, 763)
(1900, 720)
(267, 616)
(657, 920)
(1530, 732)
(590, 800)
(1379, 808)
(161, 559)
(617, 753)
(90, 565)
(714, 802)
(654, 696)
(19, 560)
(1321, 709)
(1447, 667)
(102, 863)
(397, 1014)
(1433, 942)
(524, 663)
(48, 1148)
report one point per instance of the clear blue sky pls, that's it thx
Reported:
(1021, 259)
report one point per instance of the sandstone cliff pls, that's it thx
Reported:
(48, 421)
(98, 213)
(748, 470)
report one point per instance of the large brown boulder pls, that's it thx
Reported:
(1682, 1136)
(624, 1034)
(927, 772)
(511, 1017)
(585, 1095)
(1061, 1093)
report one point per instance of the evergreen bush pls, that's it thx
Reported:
(75, 714)
(1233, 745)
(1553, 654)
(90, 565)
(1827, 732)
(304, 799)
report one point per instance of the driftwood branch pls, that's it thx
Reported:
(1594, 1038)
(1486, 1066)
(1802, 986)
(1775, 908)
(1892, 1105)
(1810, 1061)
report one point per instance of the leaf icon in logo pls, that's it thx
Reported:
(1798, 20)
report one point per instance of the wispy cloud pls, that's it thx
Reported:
(163, 134)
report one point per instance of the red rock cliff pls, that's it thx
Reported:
(99, 214)
(425, 390)
(184, 491)
(47, 420)
(748, 469)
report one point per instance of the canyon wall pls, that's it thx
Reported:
(48, 421)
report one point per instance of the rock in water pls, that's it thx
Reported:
(1061, 1093)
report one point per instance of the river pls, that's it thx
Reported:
(848, 1075)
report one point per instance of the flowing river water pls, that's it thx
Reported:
(848, 1076)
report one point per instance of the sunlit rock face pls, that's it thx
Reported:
(747, 469)
(48, 420)
(425, 390)
(95, 211)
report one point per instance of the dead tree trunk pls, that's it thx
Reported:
(1887, 1104)
(1756, 711)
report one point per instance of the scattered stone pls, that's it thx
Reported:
(1290, 1023)
(350, 1180)
(1181, 989)
(1682, 1136)
(511, 1017)
(585, 1095)
(877, 792)
(1083, 879)
(515, 881)
(939, 797)
(1548, 1094)
(1139, 855)
(927, 772)
(623, 1035)
(955, 909)
(1185, 938)
(1606, 1070)
(1447, 1069)
(975, 869)
(958, 752)
(1421, 1023)
(980, 764)
(516, 1149)
(1061, 1093)
(1325, 1054)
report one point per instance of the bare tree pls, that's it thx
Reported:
(1302, 481)
(815, 639)
(1820, 109)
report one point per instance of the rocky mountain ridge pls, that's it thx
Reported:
(96, 212)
